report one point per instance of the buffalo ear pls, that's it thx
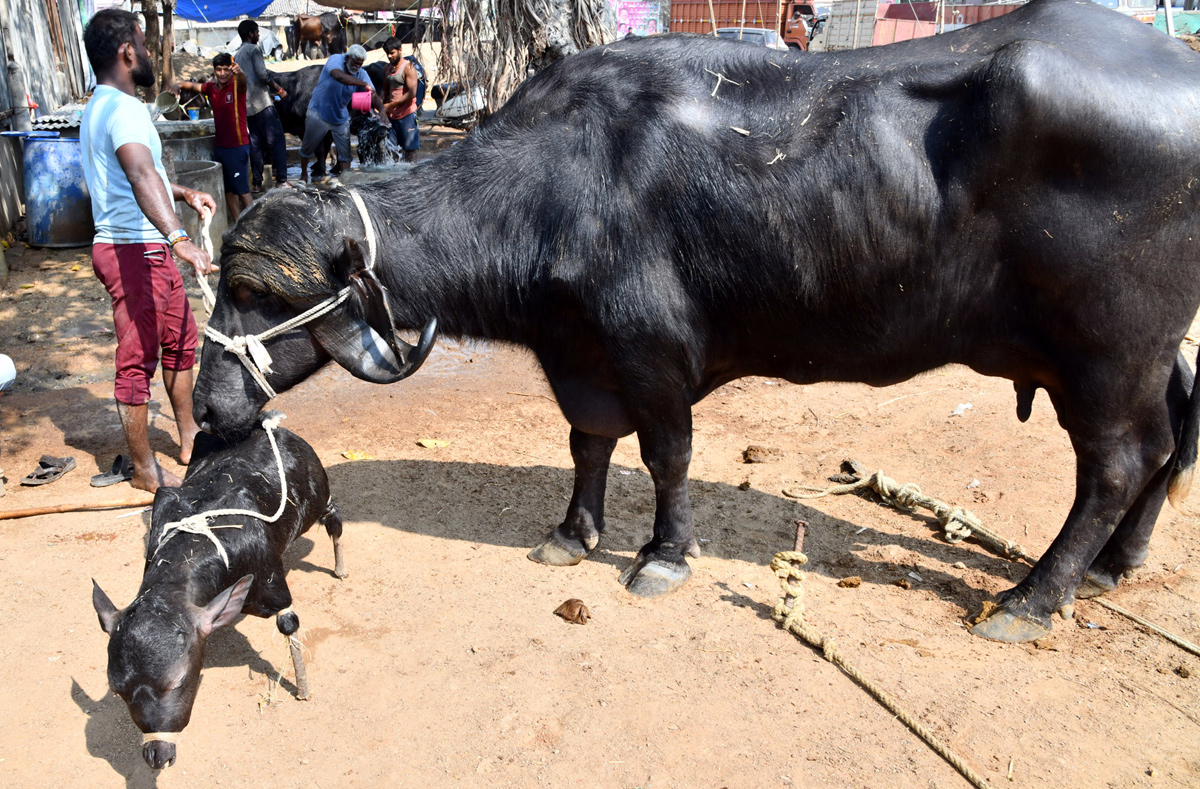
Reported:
(105, 609)
(225, 607)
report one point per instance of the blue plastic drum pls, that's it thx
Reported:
(58, 208)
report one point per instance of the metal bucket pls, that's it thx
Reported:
(204, 177)
(58, 208)
(168, 104)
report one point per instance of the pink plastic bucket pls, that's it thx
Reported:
(361, 101)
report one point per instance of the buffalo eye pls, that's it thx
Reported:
(244, 292)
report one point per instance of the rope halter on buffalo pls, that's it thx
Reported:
(250, 349)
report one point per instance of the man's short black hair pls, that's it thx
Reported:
(246, 27)
(391, 45)
(104, 35)
(223, 59)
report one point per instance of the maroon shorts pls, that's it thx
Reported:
(150, 312)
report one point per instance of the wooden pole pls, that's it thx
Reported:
(153, 42)
(109, 504)
(713, 16)
(741, 27)
(168, 43)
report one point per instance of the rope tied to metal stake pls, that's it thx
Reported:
(789, 612)
(957, 523)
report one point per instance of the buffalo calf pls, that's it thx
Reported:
(198, 579)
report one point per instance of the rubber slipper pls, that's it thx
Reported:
(122, 471)
(49, 470)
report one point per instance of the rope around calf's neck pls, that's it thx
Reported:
(198, 523)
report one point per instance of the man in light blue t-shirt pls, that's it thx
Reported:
(342, 77)
(137, 235)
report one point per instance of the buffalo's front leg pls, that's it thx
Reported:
(660, 566)
(579, 533)
(288, 623)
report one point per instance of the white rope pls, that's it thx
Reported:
(250, 348)
(206, 294)
(253, 354)
(166, 736)
(198, 524)
(370, 228)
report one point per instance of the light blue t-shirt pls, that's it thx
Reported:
(112, 119)
(330, 97)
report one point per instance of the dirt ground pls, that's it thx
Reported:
(439, 662)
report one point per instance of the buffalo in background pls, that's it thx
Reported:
(293, 107)
(326, 32)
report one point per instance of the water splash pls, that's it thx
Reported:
(376, 147)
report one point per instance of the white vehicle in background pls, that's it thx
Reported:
(753, 35)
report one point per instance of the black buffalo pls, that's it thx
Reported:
(657, 217)
(293, 108)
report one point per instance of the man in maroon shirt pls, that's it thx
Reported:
(227, 95)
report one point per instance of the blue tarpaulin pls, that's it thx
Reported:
(215, 10)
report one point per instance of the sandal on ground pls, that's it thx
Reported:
(122, 471)
(49, 470)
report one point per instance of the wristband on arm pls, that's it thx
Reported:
(176, 236)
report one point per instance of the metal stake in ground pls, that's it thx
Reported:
(789, 612)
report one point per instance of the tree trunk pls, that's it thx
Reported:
(168, 44)
(153, 43)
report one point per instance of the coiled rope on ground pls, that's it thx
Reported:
(789, 612)
(957, 525)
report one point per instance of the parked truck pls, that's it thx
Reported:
(850, 23)
(795, 21)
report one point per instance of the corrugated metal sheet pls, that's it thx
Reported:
(692, 16)
(851, 25)
(291, 8)
(889, 31)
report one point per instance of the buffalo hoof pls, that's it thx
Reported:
(653, 577)
(1004, 625)
(1093, 586)
(559, 552)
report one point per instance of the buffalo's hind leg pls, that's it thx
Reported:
(288, 623)
(1120, 444)
(1129, 545)
(579, 533)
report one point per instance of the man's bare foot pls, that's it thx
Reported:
(151, 479)
(187, 442)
